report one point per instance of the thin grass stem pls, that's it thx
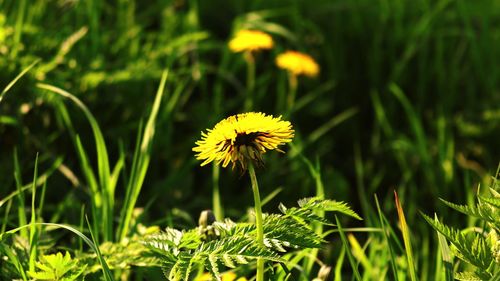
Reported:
(33, 229)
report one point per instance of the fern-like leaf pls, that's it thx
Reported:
(58, 267)
(290, 233)
(303, 215)
(237, 248)
(480, 211)
(180, 270)
(467, 276)
(315, 203)
(229, 244)
(493, 201)
(474, 251)
(229, 252)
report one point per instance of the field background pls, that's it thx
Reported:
(407, 99)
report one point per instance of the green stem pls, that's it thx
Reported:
(250, 80)
(258, 220)
(216, 202)
(18, 30)
(318, 227)
(292, 92)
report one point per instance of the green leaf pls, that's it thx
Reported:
(289, 233)
(467, 276)
(480, 211)
(327, 205)
(57, 267)
(495, 202)
(347, 250)
(446, 256)
(303, 215)
(474, 251)
(229, 244)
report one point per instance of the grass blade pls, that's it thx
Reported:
(446, 255)
(141, 163)
(14, 259)
(346, 247)
(315, 172)
(7, 88)
(18, 30)
(386, 238)
(108, 276)
(20, 196)
(359, 254)
(102, 161)
(334, 121)
(406, 238)
(338, 265)
(106, 271)
(33, 231)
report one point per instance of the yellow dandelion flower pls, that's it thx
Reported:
(250, 40)
(204, 277)
(228, 276)
(242, 138)
(298, 63)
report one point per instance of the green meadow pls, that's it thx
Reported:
(383, 165)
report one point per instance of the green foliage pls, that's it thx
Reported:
(487, 212)
(327, 205)
(17, 253)
(423, 94)
(480, 248)
(57, 267)
(232, 244)
(120, 256)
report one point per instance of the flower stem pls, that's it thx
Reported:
(216, 202)
(250, 80)
(292, 92)
(258, 220)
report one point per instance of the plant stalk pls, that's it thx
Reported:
(216, 201)
(258, 219)
(292, 92)
(250, 81)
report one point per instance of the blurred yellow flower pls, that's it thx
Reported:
(250, 40)
(228, 276)
(298, 63)
(242, 138)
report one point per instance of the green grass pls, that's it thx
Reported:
(406, 100)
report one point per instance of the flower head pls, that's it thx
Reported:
(250, 40)
(298, 63)
(242, 138)
(228, 276)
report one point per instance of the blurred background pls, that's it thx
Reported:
(407, 99)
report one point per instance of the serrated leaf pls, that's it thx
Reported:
(214, 267)
(327, 205)
(473, 251)
(42, 275)
(289, 231)
(467, 276)
(240, 259)
(304, 215)
(180, 270)
(478, 211)
(228, 261)
(446, 256)
(57, 267)
(276, 244)
(491, 200)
